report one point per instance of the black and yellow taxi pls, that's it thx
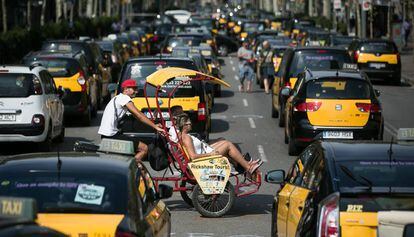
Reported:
(344, 189)
(70, 71)
(18, 219)
(378, 58)
(186, 39)
(335, 104)
(192, 96)
(294, 61)
(249, 28)
(118, 198)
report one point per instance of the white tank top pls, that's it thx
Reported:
(201, 147)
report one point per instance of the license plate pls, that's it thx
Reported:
(7, 117)
(338, 134)
(165, 115)
(377, 65)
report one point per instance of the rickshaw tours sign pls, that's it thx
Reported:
(212, 174)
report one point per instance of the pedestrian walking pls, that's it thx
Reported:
(267, 67)
(246, 59)
(407, 30)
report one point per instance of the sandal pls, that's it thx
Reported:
(254, 166)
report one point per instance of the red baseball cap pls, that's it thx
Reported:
(129, 83)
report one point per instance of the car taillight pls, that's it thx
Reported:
(82, 80)
(367, 107)
(307, 106)
(328, 217)
(201, 112)
(38, 119)
(356, 56)
(119, 233)
(287, 84)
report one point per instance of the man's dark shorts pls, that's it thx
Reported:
(120, 136)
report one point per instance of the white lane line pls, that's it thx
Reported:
(233, 68)
(245, 103)
(216, 116)
(390, 129)
(200, 234)
(236, 78)
(252, 124)
(261, 153)
(231, 62)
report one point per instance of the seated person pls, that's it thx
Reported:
(198, 149)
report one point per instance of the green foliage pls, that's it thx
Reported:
(16, 43)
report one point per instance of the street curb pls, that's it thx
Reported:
(408, 79)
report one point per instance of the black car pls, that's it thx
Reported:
(193, 97)
(90, 193)
(185, 39)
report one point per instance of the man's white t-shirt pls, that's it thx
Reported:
(109, 124)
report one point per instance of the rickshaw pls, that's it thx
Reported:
(208, 184)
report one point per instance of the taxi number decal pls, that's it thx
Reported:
(89, 194)
(354, 208)
(9, 207)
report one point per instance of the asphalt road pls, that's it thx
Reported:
(245, 119)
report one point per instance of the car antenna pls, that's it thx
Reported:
(59, 163)
(390, 152)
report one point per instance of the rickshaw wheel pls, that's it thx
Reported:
(186, 195)
(215, 205)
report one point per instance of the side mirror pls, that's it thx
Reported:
(286, 91)
(112, 87)
(408, 230)
(221, 61)
(377, 92)
(60, 92)
(164, 191)
(275, 176)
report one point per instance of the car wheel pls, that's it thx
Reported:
(217, 91)
(46, 145)
(281, 116)
(223, 50)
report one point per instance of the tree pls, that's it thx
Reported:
(58, 10)
(4, 13)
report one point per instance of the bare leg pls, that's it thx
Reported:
(142, 151)
(266, 85)
(226, 148)
(249, 86)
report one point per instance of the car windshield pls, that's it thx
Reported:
(374, 173)
(253, 27)
(18, 85)
(140, 71)
(184, 41)
(60, 67)
(68, 192)
(106, 45)
(338, 88)
(378, 47)
(318, 60)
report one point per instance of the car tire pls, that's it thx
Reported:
(46, 145)
(223, 50)
(217, 91)
(273, 228)
(281, 116)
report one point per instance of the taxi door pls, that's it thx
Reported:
(278, 83)
(155, 211)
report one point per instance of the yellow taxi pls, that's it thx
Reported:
(334, 104)
(378, 58)
(345, 189)
(98, 191)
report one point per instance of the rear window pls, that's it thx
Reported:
(106, 46)
(375, 173)
(338, 88)
(140, 71)
(342, 40)
(60, 67)
(253, 27)
(317, 60)
(184, 41)
(69, 192)
(378, 47)
(62, 46)
(19, 85)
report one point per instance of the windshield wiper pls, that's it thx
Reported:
(349, 173)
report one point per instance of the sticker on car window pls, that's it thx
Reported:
(136, 70)
(89, 194)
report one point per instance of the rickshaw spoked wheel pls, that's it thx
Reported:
(186, 195)
(215, 205)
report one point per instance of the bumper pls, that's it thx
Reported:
(304, 133)
(385, 73)
(76, 103)
(22, 133)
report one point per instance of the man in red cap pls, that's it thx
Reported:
(116, 108)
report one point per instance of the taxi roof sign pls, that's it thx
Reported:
(18, 208)
(350, 66)
(117, 146)
(405, 134)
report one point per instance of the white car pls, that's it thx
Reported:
(182, 16)
(31, 108)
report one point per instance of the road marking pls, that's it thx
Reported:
(261, 153)
(215, 116)
(100, 112)
(252, 124)
(233, 68)
(200, 234)
(236, 78)
(245, 103)
(231, 62)
(248, 116)
(390, 129)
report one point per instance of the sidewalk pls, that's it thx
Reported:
(407, 63)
